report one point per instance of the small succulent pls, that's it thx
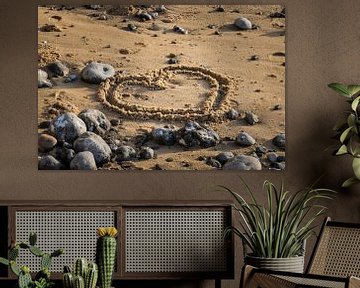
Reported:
(349, 132)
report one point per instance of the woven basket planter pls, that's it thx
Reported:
(291, 264)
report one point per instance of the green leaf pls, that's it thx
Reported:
(345, 134)
(341, 89)
(353, 89)
(356, 167)
(4, 261)
(349, 182)
(355, 103)
(342, 150)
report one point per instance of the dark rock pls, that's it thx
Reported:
(46, 142)
(102, 17)
(244, 139)
(95, 121)
(195, 135)
(211, 26)
(169, 159)
(180, 30)
(57, 69)
(164, 136)
(278, 165)
(125, 153)
(132, 27)
(260, 150)
(71, 78)
(243, 162)
(213, 163)
(93, 7)
(272, 157)
(232, 114)
(279, 54)
(243, 23)
(172, 61)
(145, 16)
(95, 73)
(254, 58)
(146, 153)
(277, 14)
(67, 145)
(115, 122)
(277, 107)
(279, 140)
(223, 157)
(220, 9)
(251, 118)
(65, 154)
(67, 127)
(92, 142)
(83, 161)
(48, 162)
(281, 158)
(44, 124)
(43, 81)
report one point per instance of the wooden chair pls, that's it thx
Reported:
(335, 262)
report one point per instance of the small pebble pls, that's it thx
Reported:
(279, 140)
(172, 61)
(46, 142)
(70, 78)
(223, 157)
(272, 157)
(232, 114)
(243, 23)
(161, 9)
(49, 162)
(220, 9)
(180, 30)
(44, 124)
(115, 122)
(281, 158)
(277, 107)
(254, 58)
(146, 153)
(278, 166)
(131, 27)
(251, 118)
(213, 163)
(260, 150)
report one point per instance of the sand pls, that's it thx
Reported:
(222, 49)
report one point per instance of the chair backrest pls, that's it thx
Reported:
(337, 251)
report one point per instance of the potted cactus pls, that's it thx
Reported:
(84, 275)
(42, 278)
(106, 254)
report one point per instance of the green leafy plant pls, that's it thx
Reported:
(279, 229)
(42, 278)
(349, 132)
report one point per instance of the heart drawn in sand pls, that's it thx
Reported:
(172, 93)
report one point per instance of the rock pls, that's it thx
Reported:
(278, 14)
(223, 157)
(251, 118)
(115, 122)
(43, 80)
(243, 162)
(67, 127)
(164, 136)
(145, 16)
(93, 7)
(195, 135)
(169, 159)
(272, 157)
(44, 124)
(102, 17)
(92, 142)
(243, 23)
(65, 154)
(244, 139)
(154, 15)
(254, 58)
(279, 140)
(46, 142)
(232, 114)
(180, 30)
(71, 78)
(95, 73)
(260, 150)
(132, 27)
(57, 69)
(277, 107)
(50, 28)
(161, 9)
(172, 61)
(146, 153)
(95, 121)
(213, 163)
(83, 161)
(281, 158)
(278, 165)
(48, 162)
(220, 9)
(124, 51)
(125, 153)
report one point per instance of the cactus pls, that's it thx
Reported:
(42, 278)
(89, 272)
(79, 282)
(80, 268)
(68, 280)
(24, 280)
(91, 276)
(105, 255)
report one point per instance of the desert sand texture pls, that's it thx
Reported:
(183, 63)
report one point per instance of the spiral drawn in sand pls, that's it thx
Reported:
(212, 108)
